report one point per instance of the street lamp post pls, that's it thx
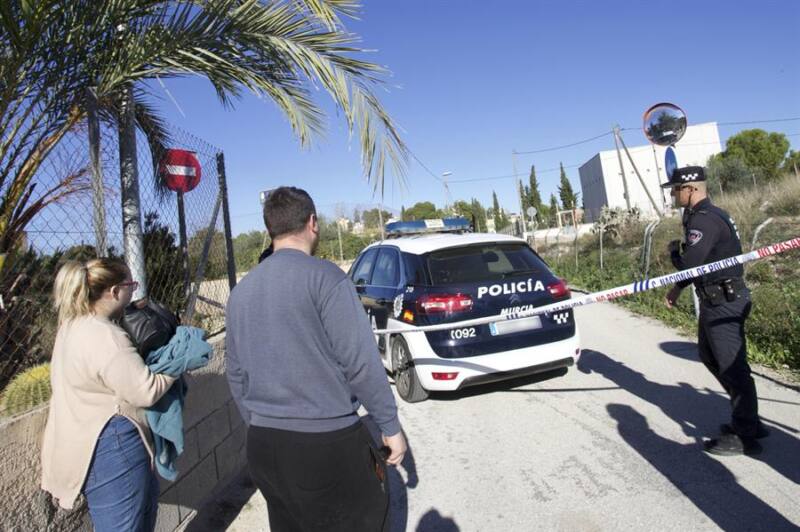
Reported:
(447, 196)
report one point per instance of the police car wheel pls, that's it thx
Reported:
(405, 375)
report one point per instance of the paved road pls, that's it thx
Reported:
(611, 445)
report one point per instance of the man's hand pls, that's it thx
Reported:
(673, 295)
(674, 247)
(398, 447)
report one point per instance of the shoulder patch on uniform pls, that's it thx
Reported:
(694, 237)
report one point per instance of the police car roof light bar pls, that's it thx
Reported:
(437, 225)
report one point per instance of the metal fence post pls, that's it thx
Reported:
(226, 220)
(201, 263)
(98, 199)
(129, 180)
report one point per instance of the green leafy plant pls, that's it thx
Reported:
(59, 58)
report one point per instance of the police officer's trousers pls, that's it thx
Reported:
(723, 349)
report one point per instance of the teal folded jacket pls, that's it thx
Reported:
(185, 351)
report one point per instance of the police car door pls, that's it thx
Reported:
(383, 288)
(362, 272)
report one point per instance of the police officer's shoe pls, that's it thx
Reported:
(731, 445)
(761, 432)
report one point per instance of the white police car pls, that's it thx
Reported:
(435, 271)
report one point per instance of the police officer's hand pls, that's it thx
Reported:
(398, 447)
(673, 295)
(674, 247)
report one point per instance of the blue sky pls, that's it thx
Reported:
(472, 81)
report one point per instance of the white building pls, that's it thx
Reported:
(601, 183)
(343, 223)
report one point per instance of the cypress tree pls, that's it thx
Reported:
(569, 199)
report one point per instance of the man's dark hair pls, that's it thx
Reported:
(286, 211)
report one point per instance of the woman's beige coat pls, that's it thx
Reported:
(96, 373)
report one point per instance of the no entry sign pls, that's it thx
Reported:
(180, 170)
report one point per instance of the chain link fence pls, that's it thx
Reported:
(87, 222)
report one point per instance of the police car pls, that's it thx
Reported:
(431, 272)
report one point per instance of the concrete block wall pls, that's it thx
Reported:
(214, 437)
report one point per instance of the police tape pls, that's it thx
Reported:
(612, 293)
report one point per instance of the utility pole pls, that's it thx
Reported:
(339, 232)
(519, 192)
(447, 197)
(380, 220)
(622, 169)
(638, 175)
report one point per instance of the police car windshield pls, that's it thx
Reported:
(482, 262)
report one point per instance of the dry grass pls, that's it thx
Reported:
(751, 207)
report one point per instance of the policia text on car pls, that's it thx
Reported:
(710, 236)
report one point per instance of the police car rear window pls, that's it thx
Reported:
(482, 262)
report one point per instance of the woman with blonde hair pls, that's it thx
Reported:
(97, 441)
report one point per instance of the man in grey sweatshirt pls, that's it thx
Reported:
(301, 358)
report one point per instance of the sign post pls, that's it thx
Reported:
(180, 172)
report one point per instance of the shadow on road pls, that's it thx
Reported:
(398, 490)
(699, 413)
(433, 521)
(704, 481)
(501, 386)
(220, 513)
(398, 487)
(684, 350)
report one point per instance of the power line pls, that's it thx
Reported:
(563, 146)
(483, 179)
(554, 148)
(758, 121)
(509, 176)
(425, 167)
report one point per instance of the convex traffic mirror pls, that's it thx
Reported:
(664, 124)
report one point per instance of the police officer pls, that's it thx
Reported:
(711, 235)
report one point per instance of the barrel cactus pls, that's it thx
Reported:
(27, 390)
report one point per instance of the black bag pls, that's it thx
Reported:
(149, 327)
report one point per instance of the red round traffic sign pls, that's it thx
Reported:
(180, 170)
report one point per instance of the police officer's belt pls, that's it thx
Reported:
(724, 291)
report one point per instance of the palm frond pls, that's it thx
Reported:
(52, 51)
(275, 50)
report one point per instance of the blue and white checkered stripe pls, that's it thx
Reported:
(619, 291)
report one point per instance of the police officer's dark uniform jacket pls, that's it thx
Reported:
(710, 236)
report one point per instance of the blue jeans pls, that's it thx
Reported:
(121, 488)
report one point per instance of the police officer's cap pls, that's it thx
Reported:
(687, 174)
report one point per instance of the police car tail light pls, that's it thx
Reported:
(559, 289)
(444, 303)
